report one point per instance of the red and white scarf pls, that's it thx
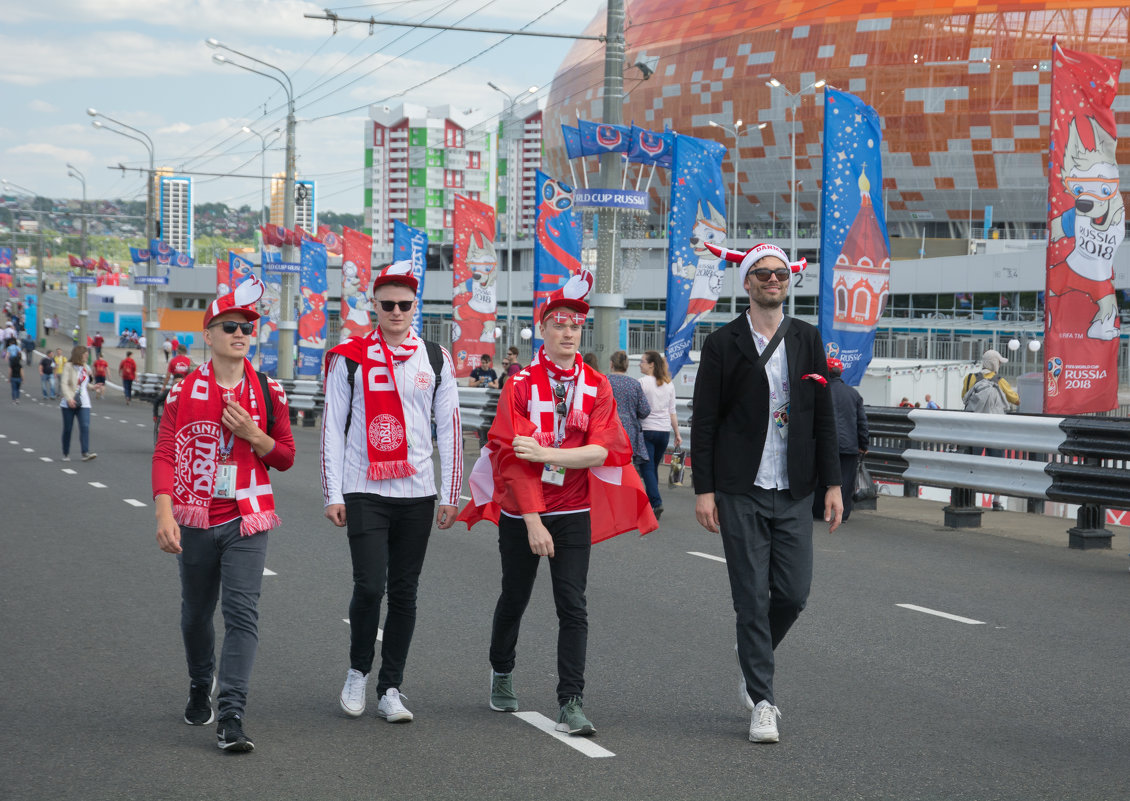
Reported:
(541, 407)
(199, 436)
(385, 431)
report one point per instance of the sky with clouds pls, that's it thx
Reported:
(145, 63)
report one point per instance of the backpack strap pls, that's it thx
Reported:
(435, 358)
(268, 401)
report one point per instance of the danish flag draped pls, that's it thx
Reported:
(1086, 226)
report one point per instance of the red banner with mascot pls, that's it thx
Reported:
(1086, 224)
(475, 300)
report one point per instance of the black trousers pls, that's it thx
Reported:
(568, 571)
(849, 467)
(387, 542)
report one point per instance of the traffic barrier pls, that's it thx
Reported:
(1068, 459)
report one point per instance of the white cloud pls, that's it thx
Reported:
(54, 152)
(42, 106)
(112, 54)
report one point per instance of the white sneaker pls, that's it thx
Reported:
(763, 724)
(353, 693)
(391, 709)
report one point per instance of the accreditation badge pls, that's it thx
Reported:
(224, 486)
(552, 474)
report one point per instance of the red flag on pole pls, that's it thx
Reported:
(356, 268)
(474, 303)
(331, 240)
(1086, 224)
(74, 260)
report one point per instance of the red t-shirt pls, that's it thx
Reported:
(100, 367)
(128, 369)
(179, 366)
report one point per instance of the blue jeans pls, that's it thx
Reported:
(213, 560)
(16, 388)
(656, 442)
(48, 385)
(83, 416)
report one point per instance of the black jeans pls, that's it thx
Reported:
(568, 570)
(387, 539)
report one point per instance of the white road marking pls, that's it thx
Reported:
(582, 744)
(380, 631)
(46, 459)
(69, 471)
(267, 572)
(141, 425)
(13, 442)
(133, 502)
(946, 615)
(711, 557)
(123, 421)
(29, 450)
(3, 436)
(97, 484)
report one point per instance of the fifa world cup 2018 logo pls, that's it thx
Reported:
(1055, 370)
(832, 350)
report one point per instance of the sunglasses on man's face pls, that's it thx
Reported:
(763, 273)
(229, 327)
(389, 305)
(559, 393)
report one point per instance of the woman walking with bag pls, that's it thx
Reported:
(75, 393)
(657, 426)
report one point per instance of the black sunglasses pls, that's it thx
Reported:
(559, 393)
(763, 273)
(389, 305)
(229, 327)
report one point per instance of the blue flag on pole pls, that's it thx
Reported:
(139, 255)
(572, 136)
(698, 214)
(312, 320)
(270, 310)
(649, 147)
(599, 137)
(411, 244)
(855, 260)
(557, 243)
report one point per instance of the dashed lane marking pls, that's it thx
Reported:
(97, 484)
(267, 572)
(69, 471)
(711, 557)
(124, 421)
(133, 502)
(946, 615)
(29, 450)
(380, 631)
(13, 442)
(582, 744)
(46, 459)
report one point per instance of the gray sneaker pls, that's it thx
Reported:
(502, 697)
(571, 719)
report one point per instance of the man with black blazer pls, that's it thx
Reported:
(763, 441)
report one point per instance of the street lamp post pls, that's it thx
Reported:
(512, 100)
(263, 178)
(83, 311)
(152, 324)
(38, 262)
(287, 325)
(794, 103)
(734, 132)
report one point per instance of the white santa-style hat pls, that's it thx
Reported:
(572, 295)
(754, 255)
(242, 299)
(399, 272)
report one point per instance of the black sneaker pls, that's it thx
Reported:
(199, 712)
(230, 736)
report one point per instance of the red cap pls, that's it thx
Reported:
(835, 364)
(399, 272)
(242, 299)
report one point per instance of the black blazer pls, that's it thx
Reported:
(730, 416)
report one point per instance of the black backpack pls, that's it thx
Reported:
(435, 358)
(267, 401)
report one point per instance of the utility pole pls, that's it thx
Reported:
(83, 310)
(607, 301)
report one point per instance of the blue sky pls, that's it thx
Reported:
(145, 63)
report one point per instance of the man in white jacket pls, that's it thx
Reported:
(377, 477)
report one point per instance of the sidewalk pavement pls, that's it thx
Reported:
(1043, 529)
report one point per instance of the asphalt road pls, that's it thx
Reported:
(879, 701)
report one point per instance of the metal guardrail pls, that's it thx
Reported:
(1078, 460)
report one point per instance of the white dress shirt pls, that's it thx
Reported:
(773, 472)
